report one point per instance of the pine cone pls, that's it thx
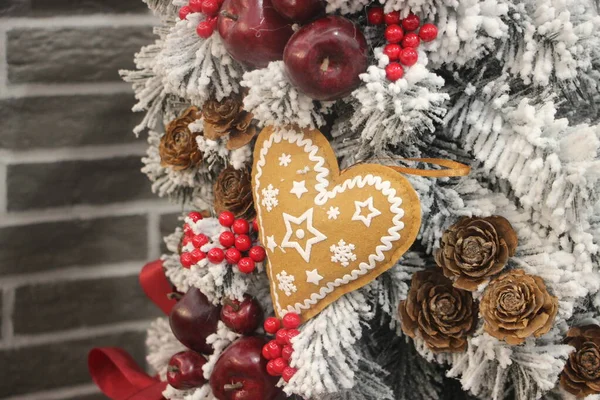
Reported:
(516, 306)
(233, 192)
(227, 117)
(178, 148)
(581, 374)
(441, 314)
(474, 249)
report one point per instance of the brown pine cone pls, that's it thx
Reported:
(233, 192)
(474, 249)
(178, 148)
(581, 374)
(442, 315)
(227, 117)
(516, 306)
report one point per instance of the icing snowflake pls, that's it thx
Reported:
(285, 160)
(269, 200)
(303, 171)
(286, 283)
(342, 253)
(333, 212)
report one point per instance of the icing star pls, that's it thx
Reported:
(285, 160)
(299, 188)
(333, 212)
(271, 243)
(373, 212)
(313, 277)
(304, 219)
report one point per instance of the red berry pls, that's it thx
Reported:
(271, 368)
(288, 373)
(392, 51)
(205, 29)
(411, 22)
(394, 71)
(243, 243)
(291, 320)
(408, 56)
(227, 239)
(186, 240)
(216, 255)
(287, 352)
(292, 333)
(394, 33)
(411, 40)
(233, 255)
(213, 21)
(246, 265)
(196, 5)
(392, 18)
(198, 255)
(187, 230)
(184, 11)
(428, 32)
(210, 7)
(226, 218)
(265, 352)
(282, 337)
(255, 225)
(186, 260)
(199, 240)
(195, 216)
(272, 325)
(375, 16)
(241, 226)
(257, 253)
(273, 350)
(279, 364)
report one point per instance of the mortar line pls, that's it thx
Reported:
(78, 21)
(3, 189)
(23, 90)
(8, 305)
(72, 392)
(83, 153)
(86, 332)
(153, 236)
(3, 62)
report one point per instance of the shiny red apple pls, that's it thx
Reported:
(241, 372)
(185, 370)
(300, 11)
(242, 317)
(193, 319)
(253, 32)
(325, 58)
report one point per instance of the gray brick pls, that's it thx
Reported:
(168, 223)
(72, 54)
(58, 121)
(75, 304)
(45, 246)
(58, 364)
(21, 8)
(43, 185)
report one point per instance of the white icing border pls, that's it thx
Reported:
(322, 197)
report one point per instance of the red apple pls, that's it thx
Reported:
(193, 319)
(300, 11)
(185, 370)
(242, 317)
(253, 32)
(325, 58)
(241, 372)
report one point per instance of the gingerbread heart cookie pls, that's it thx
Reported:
(326, 232)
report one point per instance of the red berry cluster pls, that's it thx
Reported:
(239, 248)
(210, 8)
(402, 37)
(279, 351)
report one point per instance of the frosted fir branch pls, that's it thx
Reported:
(202, 393)
(193, 184)
(346, 6)
(163, 8)
(161, 345)
(219, 341)
(273, 100)
(195, 68)
(326, 352)
(401, 112)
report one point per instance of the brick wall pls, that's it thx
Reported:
(77, 218)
